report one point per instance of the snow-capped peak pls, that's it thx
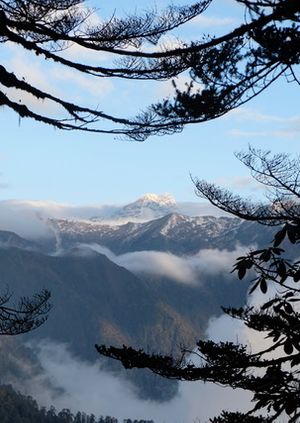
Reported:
(162, 200)
(148, 207)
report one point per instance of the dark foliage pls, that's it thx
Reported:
(272, 372)
(226, 417)
(229, 70)
(18, 408)
(25, 316)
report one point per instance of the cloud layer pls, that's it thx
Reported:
(188, 269)
(80, 385)
(29, 218)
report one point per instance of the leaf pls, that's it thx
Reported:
(268, 304)
(256, 252)
(278, 251)
(290, 406)
(277, 406)
(248, 264)
(263, 285)
(266, 255)
(276, 308)
(292, 234)
(276, 336)
(284, 278)
(296, 276)
(241, 272)
(281, 269)
(288, 347)
(288, 294)
(254, 287)
(288, 308)
(279, 237)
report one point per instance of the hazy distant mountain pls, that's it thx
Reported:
(97, 301)
(10, 239)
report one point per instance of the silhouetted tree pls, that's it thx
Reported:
(272, 372)
(25, 316)
(229, 70)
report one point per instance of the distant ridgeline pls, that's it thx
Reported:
(18, 408)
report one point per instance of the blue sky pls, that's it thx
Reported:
(40, 163)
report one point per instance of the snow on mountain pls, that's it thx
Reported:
(149, 207)
(173, 232)
(153, 222)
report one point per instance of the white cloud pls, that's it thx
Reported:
(158, 263)
(214, 261)
(211, 22)
(82, 84)
(26, 66)
(53, 79)
(28, 218)
(273, 126)
(29, 68)
(247, 113)
(240, 182)
(200, 208)
(78, 53)
(188, 269)
(166, 88)
(79, 385)
(25, 221)
(288, 132)
(150, 262)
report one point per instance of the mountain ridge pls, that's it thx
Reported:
(173, 232)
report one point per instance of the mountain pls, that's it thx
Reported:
(96, 301)
(10, 239)
(148, 207)
(175, 233)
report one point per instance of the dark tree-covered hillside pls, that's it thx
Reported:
(18, 408)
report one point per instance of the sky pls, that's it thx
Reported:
(38, 162)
